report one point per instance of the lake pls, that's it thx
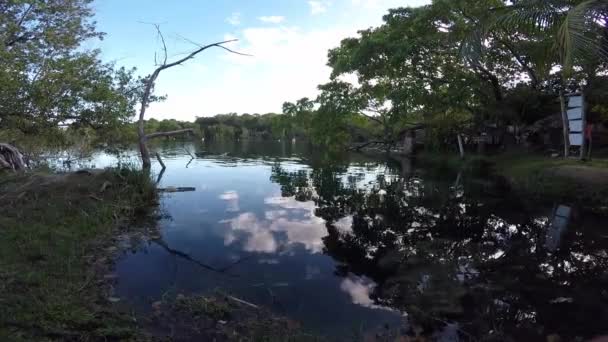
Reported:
(356, 243)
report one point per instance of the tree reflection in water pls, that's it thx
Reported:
(449, 247)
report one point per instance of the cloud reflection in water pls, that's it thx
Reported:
(287, 222)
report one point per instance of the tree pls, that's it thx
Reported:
(571, 35)
(298, 117)
(147, 95)
(579, 28)
(336, 107)
(408, 70)
(48, 79)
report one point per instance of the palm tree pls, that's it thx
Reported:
(579, 27)
(575, 29)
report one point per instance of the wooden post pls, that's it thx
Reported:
(584, 119)
(565, 124)
(460, 146)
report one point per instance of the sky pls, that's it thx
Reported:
(288, 41)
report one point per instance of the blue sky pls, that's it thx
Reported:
(288, 39)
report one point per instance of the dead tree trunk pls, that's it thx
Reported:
(11, 158)
(149, 86)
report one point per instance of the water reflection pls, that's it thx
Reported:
(464, 251)
(342, 243)
(232, 199)
(286, 223)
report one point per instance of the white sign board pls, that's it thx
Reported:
(576, 139)
(575, 113)
(575, 101)
(576, 126)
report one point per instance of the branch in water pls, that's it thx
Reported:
(185, 256)
(169, 134)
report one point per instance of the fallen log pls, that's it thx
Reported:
(11, 158)
(176, 189)
(364, 145)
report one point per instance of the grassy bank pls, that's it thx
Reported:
(540, 177)
(56, 241)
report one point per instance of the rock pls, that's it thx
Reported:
(114, 299)
(180, 297)
(110, 277)
(554, 155)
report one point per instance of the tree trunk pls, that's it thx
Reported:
(145, 153)
(565, 127)
(408, 143)
(149, 85)
(11, 158)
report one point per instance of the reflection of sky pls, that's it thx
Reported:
(237, 213)
(286, 222)
(232, 199)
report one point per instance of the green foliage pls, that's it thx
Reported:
(54, 250)
(443, 128)
(245, 126)
(466, 64)
(576, 28)
(49, 79)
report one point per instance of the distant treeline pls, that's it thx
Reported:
(452, 68)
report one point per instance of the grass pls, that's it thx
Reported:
(219, 318)
(541, 178)
(56, 233)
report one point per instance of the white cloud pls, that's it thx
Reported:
(272, 19)
(234, 19)
(288, 63)
(366, 3)
(317, 7)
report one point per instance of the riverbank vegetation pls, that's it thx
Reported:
(59, 237)
(489, 74)
(485, 70)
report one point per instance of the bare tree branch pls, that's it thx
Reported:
(162, 39)
(223, 47)
(23, 37)
(150, 81)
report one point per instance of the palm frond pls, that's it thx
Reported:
(533, 15)
(580, 34)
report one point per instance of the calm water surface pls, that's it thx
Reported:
(352, 243)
